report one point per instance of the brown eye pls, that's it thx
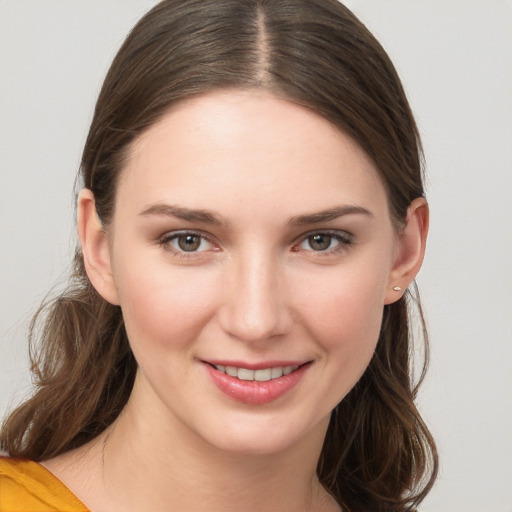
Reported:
(320, 241)
(325, 242)
(189, 243)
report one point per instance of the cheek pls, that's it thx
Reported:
(350, 320)
(344, 315)
(346, 298)
(165, 307)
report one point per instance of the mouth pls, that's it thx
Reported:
(261, 375)
(263, 383)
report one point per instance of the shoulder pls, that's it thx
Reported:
(26, 485)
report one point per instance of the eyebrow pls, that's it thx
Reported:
(182, 213)
(209, 217)
(329, 214)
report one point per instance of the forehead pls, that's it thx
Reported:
(244, 147)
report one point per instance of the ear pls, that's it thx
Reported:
(410, 250)
(95, 247)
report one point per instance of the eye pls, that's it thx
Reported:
(187, 242)
(324, 242)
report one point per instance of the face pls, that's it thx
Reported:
(251, 251)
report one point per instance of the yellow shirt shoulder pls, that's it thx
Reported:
(26, 486)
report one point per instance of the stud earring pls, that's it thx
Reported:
(397, 288)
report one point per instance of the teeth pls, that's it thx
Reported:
(276, 373)
(244, 374)
(231, 370)
(258, 375)
(263, 375)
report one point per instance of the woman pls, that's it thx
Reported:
(236, 333)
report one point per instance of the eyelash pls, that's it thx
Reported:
(166, 240)
(344, 240)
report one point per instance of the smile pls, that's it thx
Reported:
(262, 375)
(256, 386)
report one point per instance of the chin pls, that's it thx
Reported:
(259, 439)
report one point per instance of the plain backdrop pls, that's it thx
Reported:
(455, 59)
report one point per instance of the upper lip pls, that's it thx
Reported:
(260, 365)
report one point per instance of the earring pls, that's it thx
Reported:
(397, 288)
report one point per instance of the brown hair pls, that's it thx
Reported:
(378, 453)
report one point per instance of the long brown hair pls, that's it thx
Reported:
(378, 453)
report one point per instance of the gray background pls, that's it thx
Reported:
(455, 58)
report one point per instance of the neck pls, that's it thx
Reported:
(156, 463)
(150, 462)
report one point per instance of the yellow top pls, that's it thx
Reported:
(26, 486)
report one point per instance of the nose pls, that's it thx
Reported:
(255, 307)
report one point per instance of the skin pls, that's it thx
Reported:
(256, 289)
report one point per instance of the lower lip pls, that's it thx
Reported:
(253, 391)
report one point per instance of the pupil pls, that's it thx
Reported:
(320, 242)
(189, 242)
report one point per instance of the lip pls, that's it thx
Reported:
(256, 392)
(274, 363)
